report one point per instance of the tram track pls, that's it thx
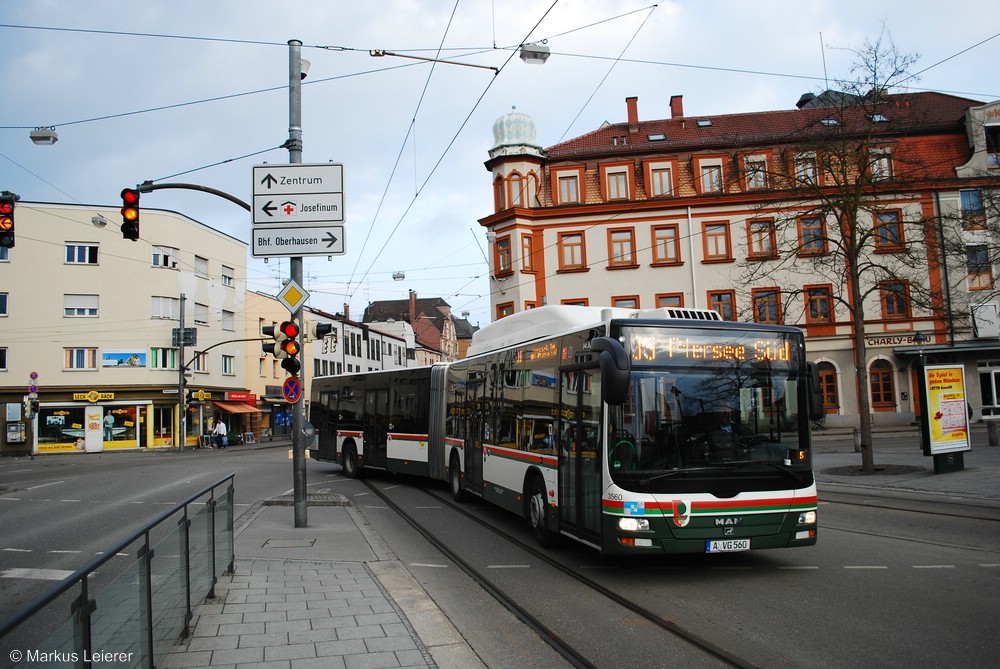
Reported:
(561, 645)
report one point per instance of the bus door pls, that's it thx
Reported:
(476, 425)
(579, 437)
(376, 425)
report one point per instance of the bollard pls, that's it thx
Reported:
(857, 440)
(993, 432)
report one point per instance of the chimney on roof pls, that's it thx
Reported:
(347, 311)
(633, 114)
(413, 306)
(676, 106)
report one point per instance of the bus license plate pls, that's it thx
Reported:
(727, 546)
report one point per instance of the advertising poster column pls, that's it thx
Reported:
(947, 419)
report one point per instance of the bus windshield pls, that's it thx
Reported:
(709, 404)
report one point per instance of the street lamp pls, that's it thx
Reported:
(920, 339)
(44, 136)
(534, 54)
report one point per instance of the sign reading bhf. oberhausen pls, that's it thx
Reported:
(293, 194)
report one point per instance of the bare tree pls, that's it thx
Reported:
(837, 226)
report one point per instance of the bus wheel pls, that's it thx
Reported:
(455, 478)
(536, 514)
(350, 463)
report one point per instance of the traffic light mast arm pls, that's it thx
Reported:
(149, 186)
(228, 341)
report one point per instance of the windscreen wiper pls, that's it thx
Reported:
(685, 471)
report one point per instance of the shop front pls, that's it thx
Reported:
(244, 421)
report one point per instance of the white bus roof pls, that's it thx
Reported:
(548, 321)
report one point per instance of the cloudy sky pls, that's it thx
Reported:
(184, 91)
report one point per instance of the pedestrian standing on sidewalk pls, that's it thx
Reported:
(221, 436)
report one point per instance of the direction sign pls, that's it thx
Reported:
(288, 195)
(269, 242)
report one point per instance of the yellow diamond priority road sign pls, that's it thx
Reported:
(293, 296)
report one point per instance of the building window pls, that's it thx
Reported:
(819, 304)
(761, 239)
(888, 231)
(567, 184)
(505, 309)
(166, 307)
(880, 380)
(503, 258)
(572, 254)
(625, 301)
(228, 365)
(973, 216)
(164, 256)
(79, 358)
(992, 146)
(812, 236)
(227, 277)
(881, 165)
(717, 244)
(767, 305)
(711, 178)
(3, 304)
(576, 301)
(80, 306)
(500, 193)
(200, 362)
(615, 181)
(515, 189)
(980, 268)
(201, 267)
(526, 251)
(4, 254)
(664, 300)
(163, 358)
(805, 169)
(200, 314)
(661, 181)
(895, 298)
(666, 249)
(228, 320)
(81, 254)
(3, 358)
(621, 248)
(723, 301)
(828, 387)
(756, 172)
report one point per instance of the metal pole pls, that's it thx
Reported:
(181, 401)
(298, 409)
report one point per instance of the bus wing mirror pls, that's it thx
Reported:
(816, 410)
(615, 368)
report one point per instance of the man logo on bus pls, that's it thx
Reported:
(682, 513)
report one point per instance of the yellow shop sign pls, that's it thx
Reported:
(93, 396)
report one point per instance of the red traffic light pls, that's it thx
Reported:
(6, 207)
(290, 330)
(7, 201)
(130, 214)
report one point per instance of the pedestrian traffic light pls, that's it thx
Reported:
(130, 214)
(7, 202)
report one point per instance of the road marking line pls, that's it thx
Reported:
(864, 566)
(39, 574)
(508, 566)
(428, 565)
(36, 487)
(73, 552)
(794, 567)
(18, 550)
(69, 500)
(933, 566)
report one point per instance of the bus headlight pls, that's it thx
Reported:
(633, 524)
(807, 518)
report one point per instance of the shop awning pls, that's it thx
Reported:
(237, 407)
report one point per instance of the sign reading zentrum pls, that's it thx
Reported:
(291, 204)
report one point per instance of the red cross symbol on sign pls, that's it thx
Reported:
(291, 389)
(288, 208)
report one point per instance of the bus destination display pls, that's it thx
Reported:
(652, 347)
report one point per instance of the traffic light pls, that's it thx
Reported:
(130, 214)
(7, 202)
(285, 346)
(316, 330)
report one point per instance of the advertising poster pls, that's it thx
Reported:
(947, 416)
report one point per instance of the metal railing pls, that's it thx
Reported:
(135, 618)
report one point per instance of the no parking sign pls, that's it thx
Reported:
(291, 389)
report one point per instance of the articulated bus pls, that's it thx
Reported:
(632, 431)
